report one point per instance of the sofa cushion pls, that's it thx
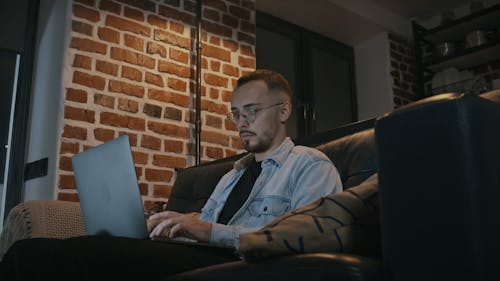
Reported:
(345, 222)
(194, 185)
(354, 156)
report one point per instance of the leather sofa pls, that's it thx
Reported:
(438, 163)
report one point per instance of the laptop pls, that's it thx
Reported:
(109, 193)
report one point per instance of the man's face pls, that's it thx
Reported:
(260, 135)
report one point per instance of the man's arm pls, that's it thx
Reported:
(172, 224)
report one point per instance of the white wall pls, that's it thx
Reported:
(373, 81)
(52, 33)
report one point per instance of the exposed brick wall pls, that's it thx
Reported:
(403, 71)
(130, 69)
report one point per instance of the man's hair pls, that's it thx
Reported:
(273, 80)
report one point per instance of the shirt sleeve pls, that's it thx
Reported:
(229, 235)
(314, 180)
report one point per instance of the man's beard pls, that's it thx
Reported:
(261, 144)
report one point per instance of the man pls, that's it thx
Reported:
(275, 178)
(291, 176)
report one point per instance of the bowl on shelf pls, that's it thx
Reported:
(444, 49)
(475, 38)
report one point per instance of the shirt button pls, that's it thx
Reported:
(265, 208)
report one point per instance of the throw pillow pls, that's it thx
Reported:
(345, 222)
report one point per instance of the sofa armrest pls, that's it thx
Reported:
(311, 267)
(41, 218)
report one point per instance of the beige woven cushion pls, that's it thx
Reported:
(41, 218)
(344, 222)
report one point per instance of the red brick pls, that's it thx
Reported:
(217, 29)
(69, 147)
(216, 4)
(76, 95)
(230, 45)
(214, 152)
(244, 37)
(211, 14)
(173, 113)
(213, 121)
(128, 105)
(178, 55)
(133, 42)
(176, 69)
(143, 189)
(70, 197)
(169, 161)
(106, 67)
(123, 121)
(154, 79)
(140, 157)
(230, 126)
(81, 27)
(214, 137)
(168, 129)
(176, 27)
(175, 14)
(108, 34)
(133, 14)
(65, 163)
(230, 152)
(230, 21)
(161, 191)
(132, 57)
(239, 12)
(125, 88)
(86, 2)
(250, 4)
(177, 84)
(214, 40)
(88, 45)
(247, 50)
(86, 13)
(247, 27)
(214, 93)
(157, 21)
(73, 132)
(173, 146)
(138, 172)
(172, 39)
(230, 70)
(215, 65)
(236, 143)
(226, 95)
(168, 97)
(110, 6)
(151, 142)
(131, 73)
(79, 114)
(214, 107)
(106, 101)
(246, 62)
(215, 80)
(156, 175)
(154, 48)
(216, 52)
(67, 182)
(92, 81)
(127, 25)
(103, 135)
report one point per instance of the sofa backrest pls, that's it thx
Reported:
(353, 155)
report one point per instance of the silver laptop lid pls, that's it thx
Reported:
(109, 194)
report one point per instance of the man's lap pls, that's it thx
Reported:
(96, 257)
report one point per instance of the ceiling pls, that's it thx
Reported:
(354, 21)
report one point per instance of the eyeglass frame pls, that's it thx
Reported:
(247, 112)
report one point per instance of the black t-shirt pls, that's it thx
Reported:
(240, 192)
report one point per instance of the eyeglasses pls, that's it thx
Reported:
(248, 113)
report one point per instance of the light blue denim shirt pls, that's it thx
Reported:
(291, 177)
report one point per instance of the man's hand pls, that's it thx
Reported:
(171, 224)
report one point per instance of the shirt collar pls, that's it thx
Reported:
(278, 156)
